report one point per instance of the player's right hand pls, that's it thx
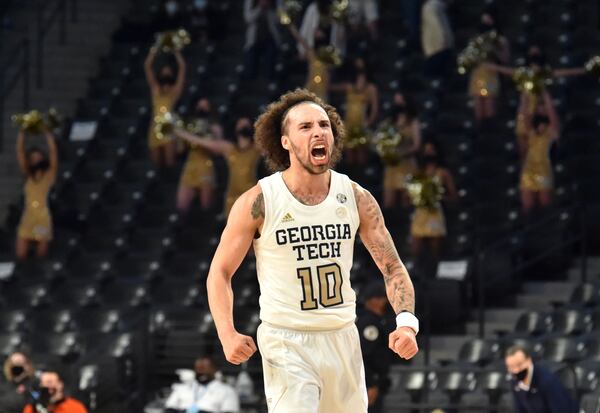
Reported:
(238, 348)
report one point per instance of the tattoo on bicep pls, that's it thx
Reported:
(258, 207)
(380, 244)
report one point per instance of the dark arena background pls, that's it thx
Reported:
(473, 123)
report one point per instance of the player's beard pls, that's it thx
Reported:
(306, 164)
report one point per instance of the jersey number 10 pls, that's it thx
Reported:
(329, 295)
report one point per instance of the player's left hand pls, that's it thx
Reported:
(403, 341)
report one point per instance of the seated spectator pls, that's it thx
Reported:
(437, 39)
(51, 397)
(374, 329)
(534, 388)
(262, 36)
(204, 392)
(15, 392)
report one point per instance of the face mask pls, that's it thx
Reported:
(430, 159)
(202, 113)
(166, 80)
(204, 379)
(39, 166)
(539, 120)
(245, 132)
(171, 8)
(486, 27)
(16, 371)
(520, 376)
(535, 59)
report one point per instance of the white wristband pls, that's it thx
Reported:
(407, 319)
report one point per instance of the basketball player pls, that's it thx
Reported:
(302, 221)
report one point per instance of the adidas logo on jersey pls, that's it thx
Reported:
(287, 218)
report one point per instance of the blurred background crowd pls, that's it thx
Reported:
(474, 123)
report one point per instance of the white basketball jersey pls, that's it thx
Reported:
(304, 256)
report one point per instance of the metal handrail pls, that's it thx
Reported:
(21, 59)
(578, 237)
(21, 67)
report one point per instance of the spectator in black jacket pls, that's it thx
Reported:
(536, 389)
(374, 329)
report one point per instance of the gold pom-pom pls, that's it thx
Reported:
(171, 41)
(329, 55)
(165, 123)
(339, 10)
(289, 10)
(532, 80)
(478, 50)
(425, 191)
(593, 65)
(30, 122)
(387, 143)
(356, 136)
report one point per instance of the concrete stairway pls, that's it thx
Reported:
(537, 295)
(67, 69)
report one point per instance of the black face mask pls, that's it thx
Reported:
(486, 27)
(166, 80)
(536, 59)
(539, 120)
(204, 379)
(202, 113)
(430, 159)
(16, 371)
(42, 165)
(520, 376)
(245, 132)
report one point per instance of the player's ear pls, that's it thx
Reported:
(285, 142)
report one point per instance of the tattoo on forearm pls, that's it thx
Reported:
(380, 244)
(258, 207)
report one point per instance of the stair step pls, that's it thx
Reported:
(509, 315)
(553, 287)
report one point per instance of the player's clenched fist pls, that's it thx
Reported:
(403, 341)
(238, 348)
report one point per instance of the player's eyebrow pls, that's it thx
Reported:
(307, 123)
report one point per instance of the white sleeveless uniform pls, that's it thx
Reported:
(310, 347)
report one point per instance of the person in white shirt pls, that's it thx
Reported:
(200, 391)
(437, 38)
(302, 221)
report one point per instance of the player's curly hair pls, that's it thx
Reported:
(270, 126)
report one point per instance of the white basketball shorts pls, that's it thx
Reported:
(312, 371)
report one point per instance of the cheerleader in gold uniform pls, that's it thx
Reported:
(242, 158)
(484, 84)
(428, 222)
(362, 109)
(536, 173)
(406, 120)
(166, 91)
(40, 174)
(318, 69)
(198, 175)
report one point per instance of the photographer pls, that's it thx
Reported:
(14, 392)
(51, 397)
